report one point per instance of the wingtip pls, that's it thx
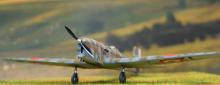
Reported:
(7, 59)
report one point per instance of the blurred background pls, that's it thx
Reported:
(30, 28)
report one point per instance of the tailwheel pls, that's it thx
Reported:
(122, 76)
(75, 78)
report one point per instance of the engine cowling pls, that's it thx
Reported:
(85, 53)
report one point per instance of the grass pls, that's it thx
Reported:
(179, 78)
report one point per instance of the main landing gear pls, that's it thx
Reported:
(122, 76)
(75, 78)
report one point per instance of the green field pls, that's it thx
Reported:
(179, 78)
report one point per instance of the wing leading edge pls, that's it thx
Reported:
(148, 61)
(53, 61)
(134, 62)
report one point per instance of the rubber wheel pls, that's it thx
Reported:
(74, 78)
(122, 78)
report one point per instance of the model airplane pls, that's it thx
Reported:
(94, 55)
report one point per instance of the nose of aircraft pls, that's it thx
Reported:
(82, 48)
(84, 52)
(80, 52)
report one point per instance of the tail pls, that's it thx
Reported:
(136, 53)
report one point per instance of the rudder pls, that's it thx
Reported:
(136, 52)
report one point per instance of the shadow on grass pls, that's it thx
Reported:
(116, 81)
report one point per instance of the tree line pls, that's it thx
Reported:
(171, 32)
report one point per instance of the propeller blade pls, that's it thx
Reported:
(83, 45)
(71, 33)
(81, 49)
(86, 47)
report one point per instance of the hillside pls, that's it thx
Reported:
(195, 15)
(192, 16)
(186, 16)
(31, 24)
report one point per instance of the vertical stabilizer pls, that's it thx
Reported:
(136, 52)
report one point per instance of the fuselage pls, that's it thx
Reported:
(96, 53)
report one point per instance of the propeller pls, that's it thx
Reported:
(82, 45)
(71, 33)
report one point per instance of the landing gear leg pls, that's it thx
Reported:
(74, 78)
(122, 76)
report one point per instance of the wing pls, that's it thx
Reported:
(53, 61)
(149, 61)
